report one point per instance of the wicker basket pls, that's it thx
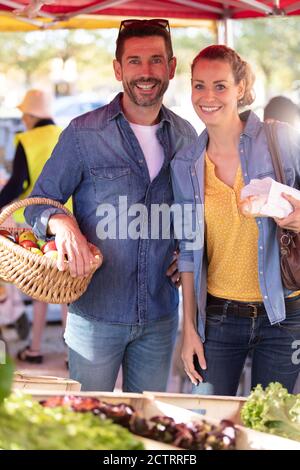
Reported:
(38, 276)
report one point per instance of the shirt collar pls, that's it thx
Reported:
(253, 123)
(252, 127)
(115, 107)
(44, 122)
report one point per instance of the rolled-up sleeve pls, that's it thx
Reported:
(59, 179)
(40, 224)
(184, 217)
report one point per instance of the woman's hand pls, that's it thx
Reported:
(292, 221)
(71, 244)
(172, 271)
(192, 346)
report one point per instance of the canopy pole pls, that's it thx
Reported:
(225, 32)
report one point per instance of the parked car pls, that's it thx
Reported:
(67, 108)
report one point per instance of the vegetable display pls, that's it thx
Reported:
(86, 423)
(194, 436)
(26, 425)
(273, 410)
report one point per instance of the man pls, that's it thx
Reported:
(34, 147)
(116, 156)
(281, 108)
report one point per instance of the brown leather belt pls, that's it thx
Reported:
(218, 306)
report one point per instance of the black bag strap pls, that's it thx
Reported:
(270, 130)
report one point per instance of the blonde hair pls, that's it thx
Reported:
(241, 69)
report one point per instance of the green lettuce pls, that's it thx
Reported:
(273, 410)
(26, 425)
(6, 378)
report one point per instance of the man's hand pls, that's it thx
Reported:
(173, 272)
(192, 346)
(292, 221)
(71, 244)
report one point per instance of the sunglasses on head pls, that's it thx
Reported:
(159, 22)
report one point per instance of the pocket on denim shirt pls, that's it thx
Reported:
(289, 175)
(110, 183)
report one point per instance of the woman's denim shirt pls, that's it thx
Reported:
(97, 160)
(187, 171)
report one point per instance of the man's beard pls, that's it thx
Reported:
(131, 90)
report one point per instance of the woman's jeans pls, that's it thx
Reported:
(230, 338)
(97, 350)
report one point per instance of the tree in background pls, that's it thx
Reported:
(27, 58)
(272, 45)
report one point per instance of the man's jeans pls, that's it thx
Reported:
(98, 349)
(275, 352)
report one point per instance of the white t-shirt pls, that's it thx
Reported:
(152, 150)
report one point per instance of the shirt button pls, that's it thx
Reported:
(141, 162)
(196, 197)
(245, 174)
(261, 272)
(193, 173)
(259, 222)
(265, 296)
(261, 247)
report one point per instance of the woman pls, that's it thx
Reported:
(233, 297)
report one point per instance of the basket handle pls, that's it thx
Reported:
(11, 208)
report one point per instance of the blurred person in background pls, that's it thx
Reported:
(280, 108)
(33, 148)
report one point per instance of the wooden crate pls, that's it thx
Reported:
(142, 404)
(44, 383)
(148, 406)
(216, 407)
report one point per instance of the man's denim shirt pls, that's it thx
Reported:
(187, 171)
(98, 159)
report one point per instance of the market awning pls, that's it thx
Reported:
(11, 23)
(48, 13)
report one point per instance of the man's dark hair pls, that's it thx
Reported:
(142, 32)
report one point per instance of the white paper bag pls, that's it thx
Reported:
(263, 198)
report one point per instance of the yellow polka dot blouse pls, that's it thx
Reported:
(231, 241)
